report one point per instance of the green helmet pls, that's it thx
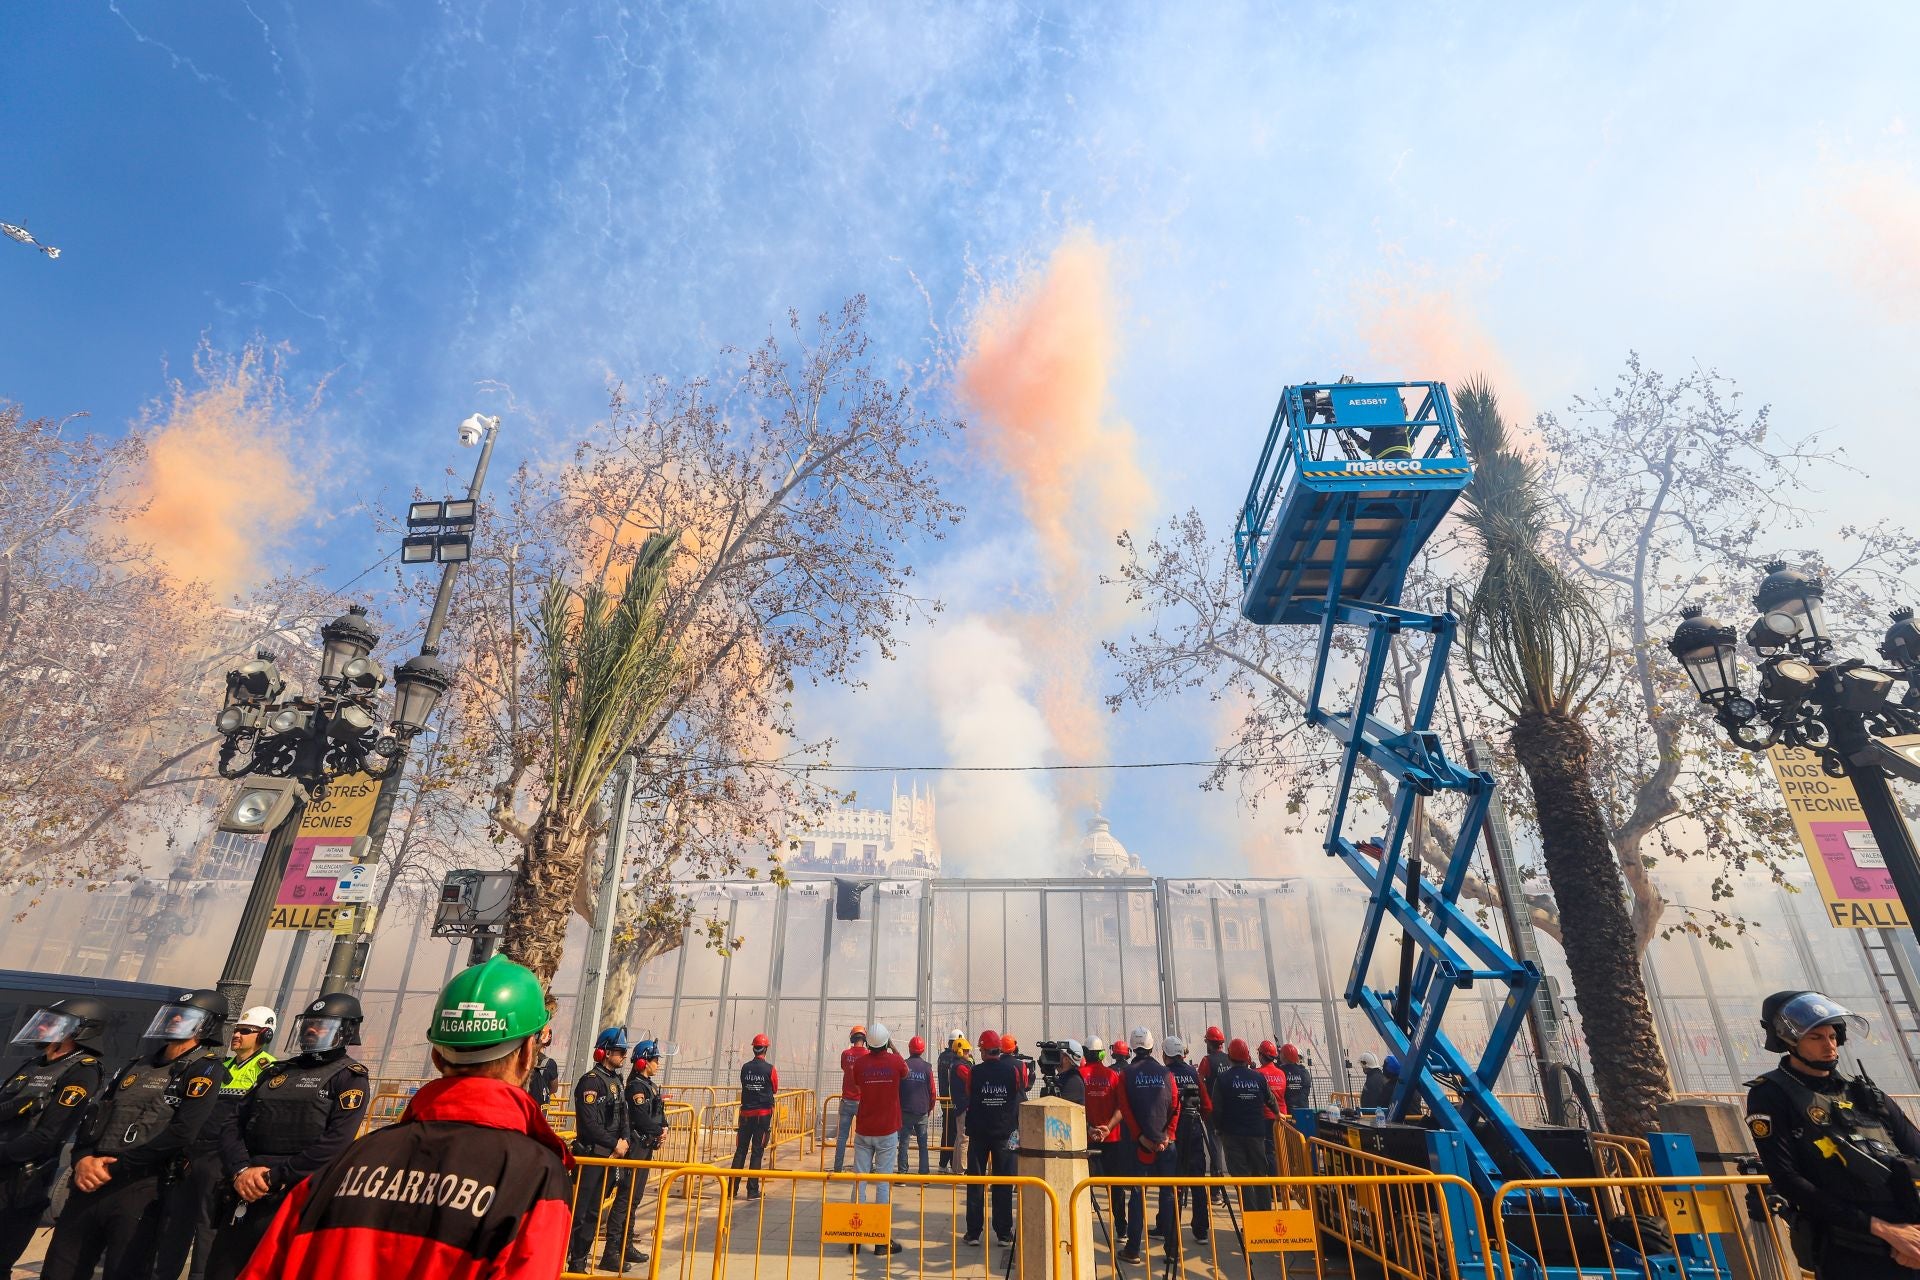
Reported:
(486, 1011)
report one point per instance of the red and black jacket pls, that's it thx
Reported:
(471, 1184)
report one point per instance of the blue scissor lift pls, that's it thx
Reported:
(1353, 480)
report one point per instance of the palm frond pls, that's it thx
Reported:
(1534, 639)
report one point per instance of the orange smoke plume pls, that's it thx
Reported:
(1421, 332)
(219, 489)
(1036, 379)
(1884, 247)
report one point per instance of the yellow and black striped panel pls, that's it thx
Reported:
(1386, 475)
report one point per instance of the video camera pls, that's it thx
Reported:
(1053, 1056)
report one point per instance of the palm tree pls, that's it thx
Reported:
(1538, 648)
(607, 670)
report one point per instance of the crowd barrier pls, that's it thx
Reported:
(792, 1124)
(827, 1129)
(1703, 1221)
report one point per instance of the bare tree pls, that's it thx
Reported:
(793, 496)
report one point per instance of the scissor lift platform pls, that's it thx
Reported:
(1320, 497)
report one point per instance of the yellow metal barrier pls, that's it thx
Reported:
(792, 1123)
(700, 1095)
(1403, 1225)
(383, 1109)
(621, 1219)
(804, 1213)
(1575, 1222)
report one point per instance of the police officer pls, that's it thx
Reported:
(994, 1095)
(1190, 1149)
(759, 1082)
(600, 1129)
(190, 1203)
(1299, 1082)
(1244, 1109)
(299, 1115)
(1150, 1106)
(40, 1108)
(1375, 1089)
(138, 1134)
(1836, 1148)
(646, 1121)
(943, 1077)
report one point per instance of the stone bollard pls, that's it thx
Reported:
(1050, 1125)
(1720, 1139)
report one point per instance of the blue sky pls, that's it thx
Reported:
(419, 198)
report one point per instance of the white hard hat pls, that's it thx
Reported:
(1369, 1061)
(1073, 1048)
(1096, 1045)
(259, 1016)
(1140, 1038)
(955, 1034)
(1175, 1046)
(878, 1037)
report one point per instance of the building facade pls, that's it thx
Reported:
(899, 840)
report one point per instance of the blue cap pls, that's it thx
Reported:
(1391, 1066)
(612, 1040)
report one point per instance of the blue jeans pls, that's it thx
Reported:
(910, 1128)
(849, 1108)
(874, 1154)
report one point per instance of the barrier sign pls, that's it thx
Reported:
(856, 1223)
(1853, 878)
(1692, 1213)
(1279, 1230)
(322, 871)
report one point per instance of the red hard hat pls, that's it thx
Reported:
(916, 1045)
(1010, 1042)
(1289, 1054)
(1267, 1050)
(1215, 1036)
(760, 1041)
(1238, 1051)
(989, 1041)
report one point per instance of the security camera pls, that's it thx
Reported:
(474, 429)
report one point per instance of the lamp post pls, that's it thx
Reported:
(292, 746)
(1841, 709)
(448, 539)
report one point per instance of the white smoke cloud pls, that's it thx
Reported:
(983, 689)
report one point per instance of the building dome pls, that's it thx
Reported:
(1101, 854)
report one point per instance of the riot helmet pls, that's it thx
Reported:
(1786, 1016)
(328, 1024)
(193, 1015)
(73, 1018)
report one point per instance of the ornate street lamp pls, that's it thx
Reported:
(1841, 709)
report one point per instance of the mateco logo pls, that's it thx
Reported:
(471, 1015)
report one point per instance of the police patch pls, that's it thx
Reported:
(589, 1097)
(126, 1081)
(1761, 1126)
(199, 1087)
(352, 1098)
(1817, 1114)
(73, 1095)
(276, 1082)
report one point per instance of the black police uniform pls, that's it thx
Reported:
(299, 1115)
(1838, 1150)
(1190, 1142)
(993, 1118)
(41, 1106)
(950, 1118)
(145, 1119)
(188, 1205)
(1243, 1111)
(600, 1123)
(647, 1120)
(543, 1080)
(756, 1117)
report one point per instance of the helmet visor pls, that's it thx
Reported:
(1803, 1013)
(47, 1027)
(178, 1022)
(318, 1034)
